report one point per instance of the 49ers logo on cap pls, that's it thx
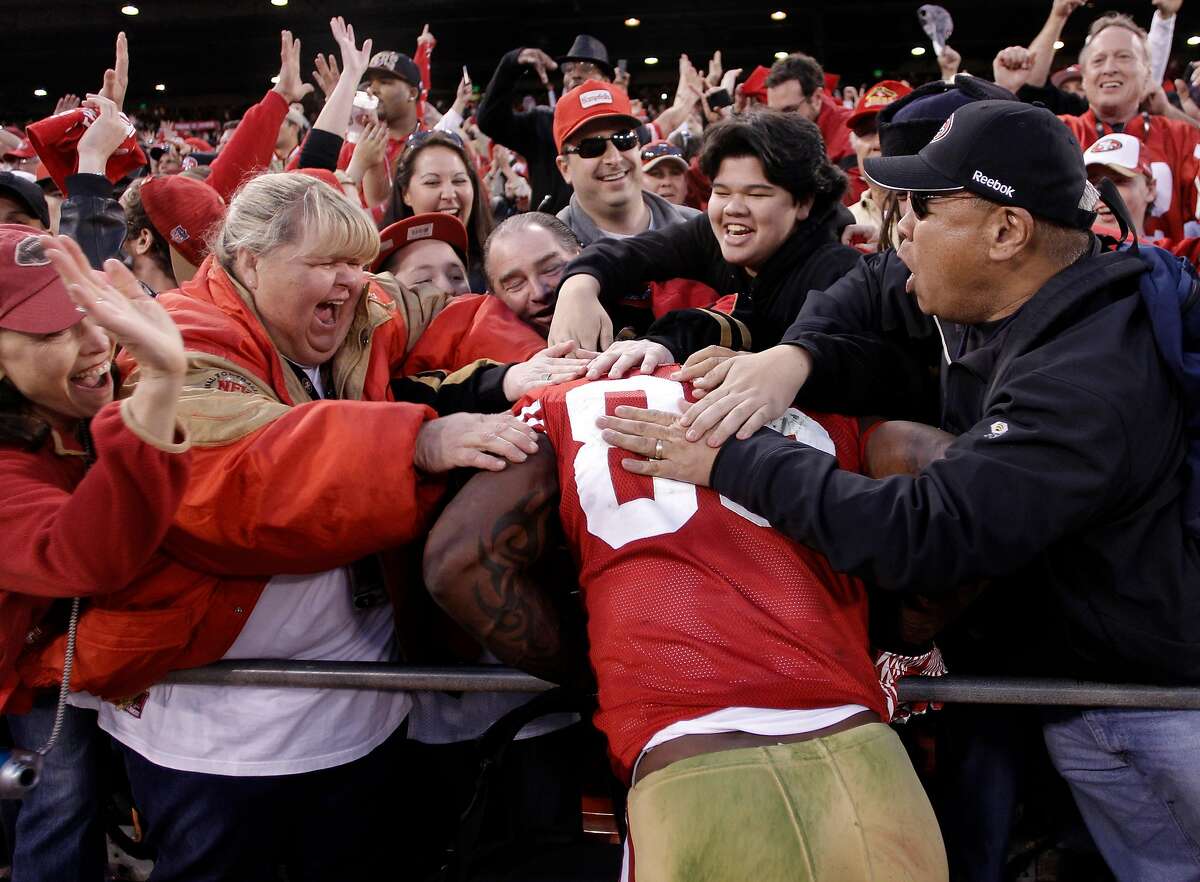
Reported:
(1106, 146)
(29, 252)
(594, 97)
(878, 96)
(944, 130)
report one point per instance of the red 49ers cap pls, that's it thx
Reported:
(33, 298)
(432, 225)
(875, 99)
(184, 211)
(593, 100)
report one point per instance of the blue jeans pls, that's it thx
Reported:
(330, 824)
(59, 833)
(1135, 775)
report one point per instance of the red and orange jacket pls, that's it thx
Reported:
(73, 533)
(279, 483)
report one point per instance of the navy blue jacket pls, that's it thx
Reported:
(1066, 485)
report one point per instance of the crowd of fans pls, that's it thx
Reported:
(725, 415)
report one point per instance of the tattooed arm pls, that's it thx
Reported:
(481, 561)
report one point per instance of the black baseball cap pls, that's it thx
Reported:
(395, 64)
(908, 124)
(1005, 151)
(27, 193)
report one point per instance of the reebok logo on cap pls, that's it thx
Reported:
(594, 97)
(1003, 189)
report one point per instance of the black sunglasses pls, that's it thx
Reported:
(590, 148)
(920, 201)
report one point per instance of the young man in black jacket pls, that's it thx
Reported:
(1065, 487)
(771, 236)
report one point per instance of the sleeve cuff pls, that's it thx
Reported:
(181, 444)
(89, 185)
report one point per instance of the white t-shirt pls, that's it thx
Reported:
(254, 731)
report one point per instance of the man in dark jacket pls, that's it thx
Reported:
(770, 236)
(1065, 486)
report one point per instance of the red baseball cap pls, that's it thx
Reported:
(875, 99)
(184, 211)
(323, 174)
(24, 150)
(1070, 72)
(593, 100)
(432, 225)
(33, 298)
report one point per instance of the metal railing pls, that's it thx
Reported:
(949, 689)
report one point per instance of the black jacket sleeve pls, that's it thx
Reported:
(93, 218)
(681, 251)
(321, 150)
(873, 350)
(475, 388)
(516, 130)
(984, 511)
(1055, 99)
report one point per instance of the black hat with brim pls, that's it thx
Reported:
(589, 49)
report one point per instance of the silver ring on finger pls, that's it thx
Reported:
(658, 449)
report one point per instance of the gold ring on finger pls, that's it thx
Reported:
(658, 449)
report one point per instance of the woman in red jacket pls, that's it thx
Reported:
(91, 487)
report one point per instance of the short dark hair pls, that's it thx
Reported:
(137, 220)
(519, 223)
(788, 146)
(797, 66)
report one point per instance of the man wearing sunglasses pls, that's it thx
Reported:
(600, 157)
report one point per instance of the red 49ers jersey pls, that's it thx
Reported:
(694, 603)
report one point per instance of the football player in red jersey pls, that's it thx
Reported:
(736, 688)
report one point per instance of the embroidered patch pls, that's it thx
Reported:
(29, 252)
(594, 97)
(133, 706)
(944, 130)
(179, 234)
(998, 428)
(227, 381)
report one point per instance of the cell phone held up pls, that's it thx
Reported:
(718, 99)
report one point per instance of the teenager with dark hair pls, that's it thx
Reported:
(771, 236)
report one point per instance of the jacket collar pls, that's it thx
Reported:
(220, 288)
(809, 235)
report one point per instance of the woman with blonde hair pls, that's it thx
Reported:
(304, 468)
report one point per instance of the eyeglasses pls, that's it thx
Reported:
(590, 148)
(920, 201)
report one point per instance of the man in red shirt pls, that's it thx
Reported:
(735, 686)
(796, 84)
(1116, 77)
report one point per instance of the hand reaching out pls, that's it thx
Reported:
(539, 61)
(102, 137)
(327, 72)
(426, 36)
(1012, 66)
(369, 151)
(354, 60)
(290, 84)
(65, 103)
(116, 78)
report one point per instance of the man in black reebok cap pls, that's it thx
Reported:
(1065, 487)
